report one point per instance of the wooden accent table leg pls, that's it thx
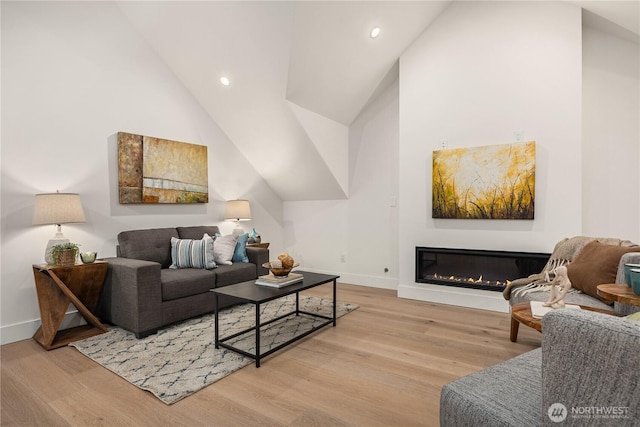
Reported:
(89, 317)
(59, 286)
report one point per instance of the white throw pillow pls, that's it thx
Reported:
(223, 249)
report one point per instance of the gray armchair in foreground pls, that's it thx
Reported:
(586, 373)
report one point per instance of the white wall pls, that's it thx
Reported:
(363, 230)
(482, 71)
(73, 75)
(611, 142)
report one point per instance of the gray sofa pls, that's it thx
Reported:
(586, 372)
(142, 294)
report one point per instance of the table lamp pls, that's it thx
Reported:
(238, 210)
(57, 208)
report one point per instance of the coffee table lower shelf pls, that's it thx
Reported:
(222, 342)
(257, 295)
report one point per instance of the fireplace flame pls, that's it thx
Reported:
(480, 280)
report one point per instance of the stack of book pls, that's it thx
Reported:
(279, 282)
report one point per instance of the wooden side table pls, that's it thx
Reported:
(521, 313)
(57, 287)
(259, 245)
(619, 292)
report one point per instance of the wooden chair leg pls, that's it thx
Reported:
(515, 325)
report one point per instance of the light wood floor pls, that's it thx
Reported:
(383, 365)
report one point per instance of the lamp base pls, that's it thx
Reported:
(238, 231)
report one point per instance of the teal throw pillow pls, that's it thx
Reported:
(188, 253)
(240, 253)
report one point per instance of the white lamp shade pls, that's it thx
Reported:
(58, 208)
(238, 210)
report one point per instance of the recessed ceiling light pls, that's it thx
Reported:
(375, 32)
(225, 81)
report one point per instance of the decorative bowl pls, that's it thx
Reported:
(627, 272)
(279, 271)
(88, 257)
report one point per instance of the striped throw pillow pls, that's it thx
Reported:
(188, 253)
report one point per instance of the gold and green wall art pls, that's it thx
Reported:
(154, 170)
(489, 182)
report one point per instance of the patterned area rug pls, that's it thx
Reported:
(182, 359)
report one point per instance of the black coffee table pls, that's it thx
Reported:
(257, 294)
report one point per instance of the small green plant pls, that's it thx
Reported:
(64, 253)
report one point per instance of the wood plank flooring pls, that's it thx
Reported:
(383, 365)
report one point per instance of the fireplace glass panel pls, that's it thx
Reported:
(479, 269)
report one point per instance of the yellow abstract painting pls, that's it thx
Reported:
(154, 170)
(488, 182)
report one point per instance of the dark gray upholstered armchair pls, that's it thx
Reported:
(586, 373)
(608, 266)
(142, 294)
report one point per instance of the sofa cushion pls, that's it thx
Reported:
(180, 283)
(150, 245)
(597, 263)
(577, 298)
(235, 273)
(190, 253)
(223, 249)
(506, 394)
(196, 232)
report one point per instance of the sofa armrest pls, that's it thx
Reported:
(258, 256)
(132, 295)
(628, 258)
(590, 365)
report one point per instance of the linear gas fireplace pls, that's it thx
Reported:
(476, 269)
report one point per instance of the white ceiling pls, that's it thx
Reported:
(335, 65)
(300, 73)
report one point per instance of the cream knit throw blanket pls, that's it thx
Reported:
(564, 252)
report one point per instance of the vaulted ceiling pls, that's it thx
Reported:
(300, 72)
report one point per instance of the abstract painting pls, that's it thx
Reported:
(154, 170)
(488, 182)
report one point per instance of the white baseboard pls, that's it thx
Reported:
(25, 330)
(362, 279)
(463, 297)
